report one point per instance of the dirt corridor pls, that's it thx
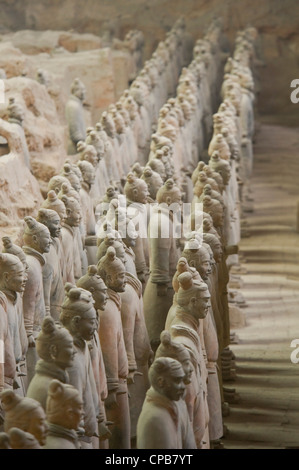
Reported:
(267, 415)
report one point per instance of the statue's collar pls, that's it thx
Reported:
(32, 252)
(11, 295)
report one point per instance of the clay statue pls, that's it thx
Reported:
(12, 282)
(16, 438)
(55, 348)
(75, 115)
(52, 202)
(164, 421)
(52, 275)
(113, 273)
(16, 117)
(136, 192)
(163, 237)
(193, 300)
(64, 411)
(92, 282)
(37, 240)
(79, 317)
(72, 260)
(24, 413)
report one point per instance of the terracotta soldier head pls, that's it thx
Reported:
(221, 166)
(169, 348)
(69, 173)
(15, 111)
(78, 89)
(88, 172)
(55, 183)
(10, 247)
(64, 405)
(112, 271)
(215, 209)
(19, 439)
(73, 211)
(89, 153)
(68, 190)
(92, 282)
(198, 257)
(215, 244)
(193, 296)
(24, 413)
(36, 235)
(50, 219)
(78, 314)
(182, 267)
(153, 181)
(136, 189)
(55, 344)
(54, 203)
(169, 193)
(13, 275)
(166, 376)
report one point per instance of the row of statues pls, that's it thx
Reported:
(114, 313)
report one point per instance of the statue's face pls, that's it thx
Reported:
(205, 264)
(54, 227)
(43, 242)
(225, 173)
(172, 385)
(87, 324)
(187, 366)
(74, 216)
(15, 279)
(88, 176)
(142, 194)
(37, 425)
(100, 294)
(117, 281)
(218, 218)
(65, 353)
(74, 411)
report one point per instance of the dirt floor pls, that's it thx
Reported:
(267, 415)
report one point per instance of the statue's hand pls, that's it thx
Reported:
(161, 290)
(31, 342)
(103, 431)
(110, 401)
(131, 376)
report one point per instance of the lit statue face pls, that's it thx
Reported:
(116, 281)
(86, 324)
(99, 293)
(63, 352)
(14, 278)
(88, 176)
(54, 226)
(37, 425)
(141, 193)
(42, 241)
(74, 215)
(172, 385)
(199, 305)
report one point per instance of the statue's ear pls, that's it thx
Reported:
(135, 191)
(53, 351)
(68, 212)
(193, 301)
(192, 263)
(160, 381)
(75, 321)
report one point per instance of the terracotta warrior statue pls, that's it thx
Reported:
(52, 274)
(52, 202)
(37, 241)
(193, 300)
(164, 232)
(72, 259)
(64, 411)
(55, 347)
(164, 421)
(12, 282)
(136, 192)
(24, 413)
(111, 335)
(75, 115)
(79, 317)
(16, 117)
(92, 282)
